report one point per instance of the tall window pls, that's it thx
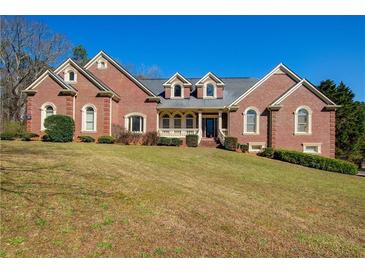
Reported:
(166, 121)
(48, 109)
(302, 121)
(177, 91)
(90, 118)
(177, 121)
(136, 123)
(251, 121)
(210, 90)
(189, 121)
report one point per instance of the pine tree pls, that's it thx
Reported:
(79, 55)
(350, 121)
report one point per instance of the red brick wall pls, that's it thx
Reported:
(321, 122)
(168, 92)
(47, 91)
(133, 98)
(282, 127)
(260, 98)
(199, 92)
(220, 92)
(186, 92)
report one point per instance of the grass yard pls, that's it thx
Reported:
(92, 200)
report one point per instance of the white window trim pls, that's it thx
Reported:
(126, 121)
(173, 90)
(296, 132)
(257, 132)
(250, 144)
(67, 75)
(319, 145)
(205, 96)
(43, 113)
(83, 122)
(98, 62)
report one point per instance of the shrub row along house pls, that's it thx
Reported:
(281, 110)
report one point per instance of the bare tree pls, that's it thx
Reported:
(144, 72)
(27, 48)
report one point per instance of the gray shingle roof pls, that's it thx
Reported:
(234, 88)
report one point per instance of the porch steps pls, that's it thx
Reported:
(209, 142)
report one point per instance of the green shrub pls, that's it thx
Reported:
(165, 141)
(86, 139)
(176, 142)
(16, 128)
(150, 138)
(45, 138)
(59, 128)
(28, 136)
(7, 136)
(230, 143)
(192, 140)
(106, 140)
(243, 148)
(314, 161)
(268, 152)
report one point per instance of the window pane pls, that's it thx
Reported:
(311, 149)
(49, 111)
(71, 76)
(251, 121)
(302, 119)
(165, 123)
(137, 125)
(90, 118)
(177, 121)
(189, 123)
(210, 90)
(177, 91)
(251, 128)
(302, 128)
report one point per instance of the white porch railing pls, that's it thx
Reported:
(177, 132)
(221, 135)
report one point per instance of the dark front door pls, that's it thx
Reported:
(210, 127)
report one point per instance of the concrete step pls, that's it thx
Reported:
(208, 142)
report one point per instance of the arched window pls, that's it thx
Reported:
(177, 121)
(210, 90)
(136, 124)
(177, 91)
(303, 120)
(70, 76)
(89, 118)
(251, 121)
(189, 121)
(101, 64)
(47, 109)
(166, 121)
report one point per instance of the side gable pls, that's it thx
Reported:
(31, 89)
(104, 89)
(310, 87)
(281, 68)
(120, 68)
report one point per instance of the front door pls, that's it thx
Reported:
(210, 127)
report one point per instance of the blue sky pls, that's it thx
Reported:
(315, 47)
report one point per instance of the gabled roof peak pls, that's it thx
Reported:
(212, 76)
(180, 77)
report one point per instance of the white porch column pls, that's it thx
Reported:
(200, 120)
(220, 120)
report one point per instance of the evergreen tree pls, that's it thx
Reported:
(79, 55)
(350, 121)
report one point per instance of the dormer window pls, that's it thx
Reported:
(210, 90)
(70, 76)
(101, 64)
(177, 91)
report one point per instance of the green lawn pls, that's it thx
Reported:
(92, 200)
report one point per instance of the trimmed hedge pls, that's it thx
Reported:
(230, 143)
(243, 147)
(59, 128)
(106, 140)
(86, 139)
(10, 136)
(314, 161)
(150, 138)
(268, 152)
(165, 141)
(192, 140)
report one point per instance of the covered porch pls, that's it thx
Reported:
(177, 123)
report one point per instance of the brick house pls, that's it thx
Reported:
(280, 110)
